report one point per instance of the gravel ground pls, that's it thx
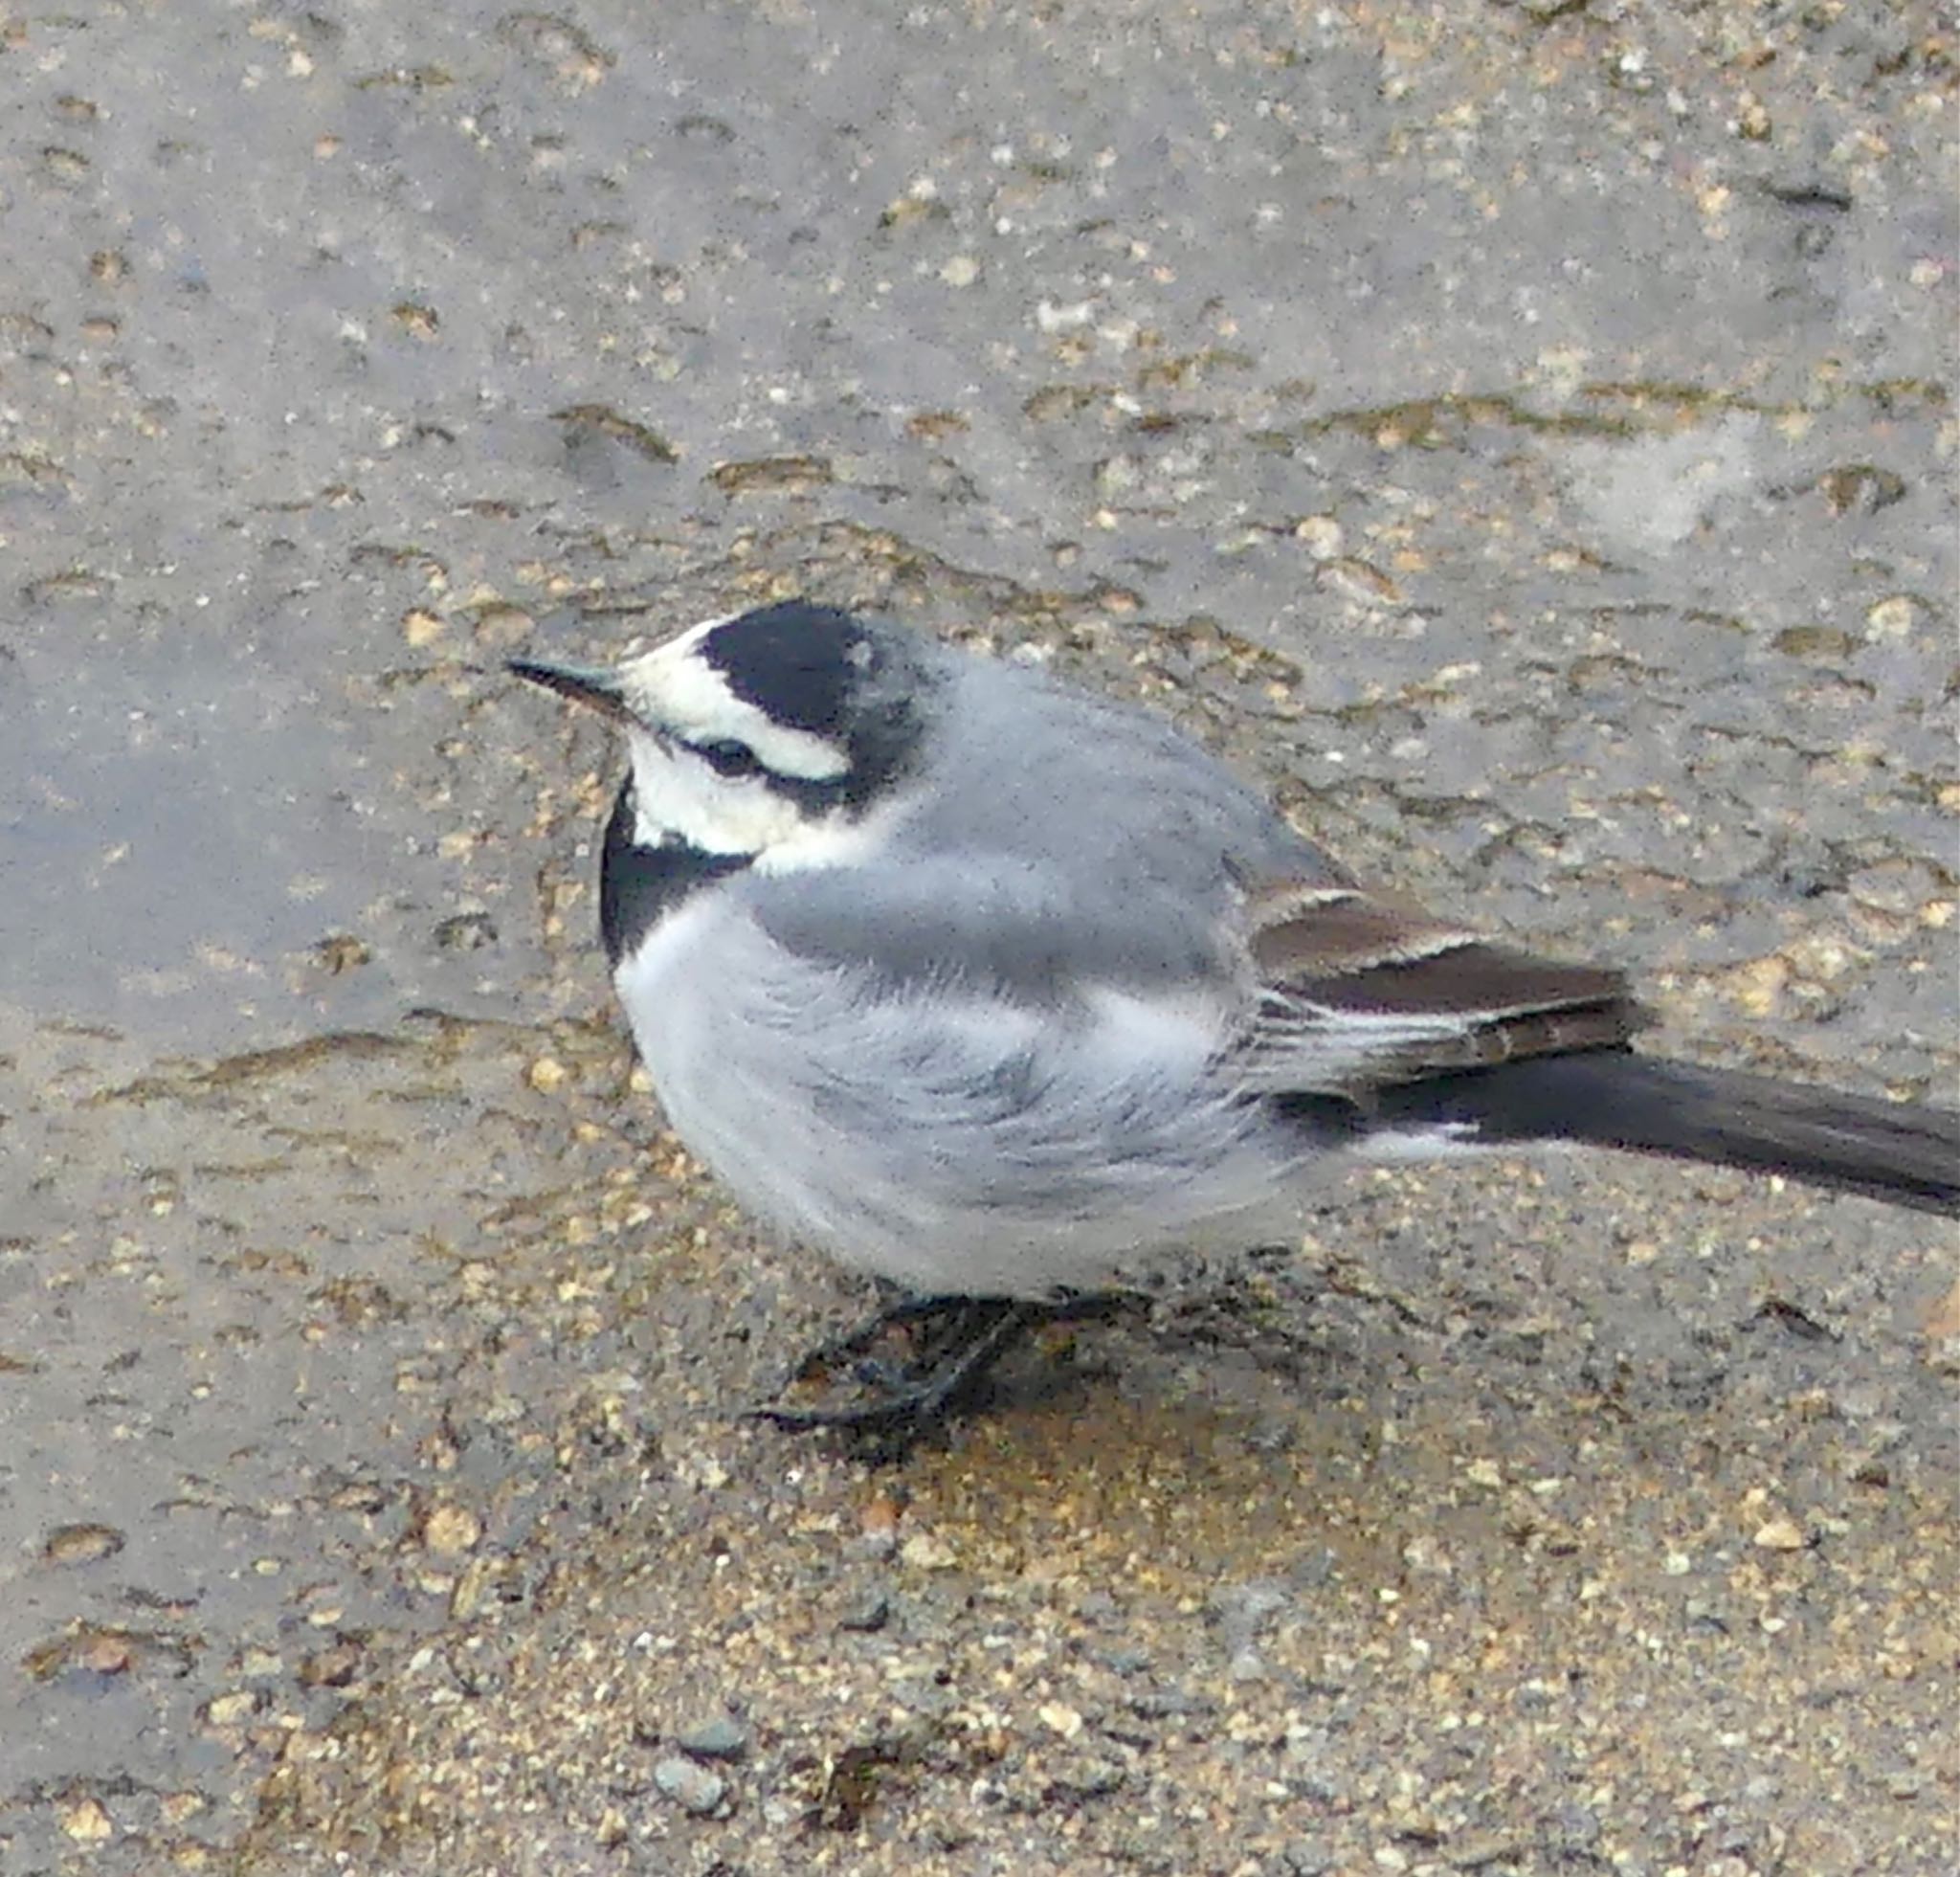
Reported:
(1521, 435)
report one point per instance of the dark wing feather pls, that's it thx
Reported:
(1355, 992)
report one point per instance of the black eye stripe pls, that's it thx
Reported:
(726, 756)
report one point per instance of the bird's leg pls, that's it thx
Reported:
(857, 1341)
(959, 1338)
(957, 1342)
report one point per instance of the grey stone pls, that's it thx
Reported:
(693, 1787)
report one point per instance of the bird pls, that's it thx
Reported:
(1004, 992)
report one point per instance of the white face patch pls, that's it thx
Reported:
(674, 687)
(677, 793)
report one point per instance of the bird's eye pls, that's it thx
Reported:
(726, 756)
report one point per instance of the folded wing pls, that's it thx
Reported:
(1403, 1032)
(1353, 993)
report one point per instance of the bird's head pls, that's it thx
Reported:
(767, 734)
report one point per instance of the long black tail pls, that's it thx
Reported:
(1900, 1152)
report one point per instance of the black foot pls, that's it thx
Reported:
(956, 1342)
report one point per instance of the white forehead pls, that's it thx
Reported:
(674, 688)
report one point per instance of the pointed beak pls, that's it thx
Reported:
(595, 689)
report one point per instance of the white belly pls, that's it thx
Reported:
(950, 1145)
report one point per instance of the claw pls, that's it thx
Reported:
(957, 1340)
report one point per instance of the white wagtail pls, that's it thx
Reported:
(999, 990)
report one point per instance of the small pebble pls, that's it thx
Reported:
(1780, 1534)
(451, 1530)
(693, 1787)
(1060, 1718)
(1304, 1857)
(923, 1551)
(1320, 535)
(86, 1822)
(1892, 617)
(104, 1653)
(716, 1739)
(878, 1527)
